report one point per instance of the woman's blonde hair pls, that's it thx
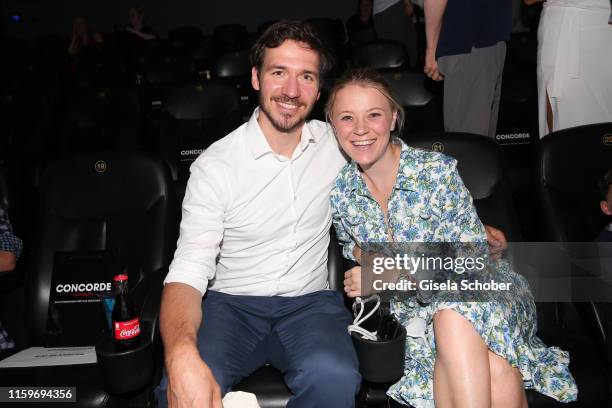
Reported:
(367, 77)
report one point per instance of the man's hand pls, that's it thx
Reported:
(191, 384)
(352, 282)
(7, 261)
(431, 66)
(497, 242)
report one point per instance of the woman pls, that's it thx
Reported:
(574, 60)
(391, 192)
(82, 36)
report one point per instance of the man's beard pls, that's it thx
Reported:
(285, 123)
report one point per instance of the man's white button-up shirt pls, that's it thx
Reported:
(255, 222)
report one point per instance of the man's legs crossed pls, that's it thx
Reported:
(315, 352)
(233, 328)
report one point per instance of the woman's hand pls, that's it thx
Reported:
(497, 242)
(352, 282)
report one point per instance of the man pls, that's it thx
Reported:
(10, 248)
(254, 238)
(255, 224)
(466, 48)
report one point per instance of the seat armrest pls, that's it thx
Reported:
(147, 298)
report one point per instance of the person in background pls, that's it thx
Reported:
(10, 248)
(574, 60)
(605, 189)
(359, 26)
(393, 21)
(82, 36)
(466, 47)
(137, 25)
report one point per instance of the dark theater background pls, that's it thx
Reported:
(97, 137)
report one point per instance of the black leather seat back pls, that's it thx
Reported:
(233, 64)
(570, 163)
(422, 108)
(380, 54)
(195, 115)
(4, 191)
(120, 203)
(481, 165)
(24, 123)
(336, 266)
(330, 31)
(186, 37)
(168, 66)
(102, 118)
(230, 37)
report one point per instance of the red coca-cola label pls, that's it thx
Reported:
(127, 330)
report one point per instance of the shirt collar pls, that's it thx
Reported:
(407, 174)
(258, 144)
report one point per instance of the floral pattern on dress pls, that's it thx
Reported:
(430, 203)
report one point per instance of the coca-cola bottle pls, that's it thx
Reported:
(126, 326)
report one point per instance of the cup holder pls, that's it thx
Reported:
(125, 371)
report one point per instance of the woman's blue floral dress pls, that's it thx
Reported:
(430, 203)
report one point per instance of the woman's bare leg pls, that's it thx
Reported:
(467, 373)
(507, 389)
(461, 372)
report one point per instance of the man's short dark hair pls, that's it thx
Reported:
(604, 184)
(297, 31)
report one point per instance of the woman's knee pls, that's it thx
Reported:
(454, 332)
(502, 372)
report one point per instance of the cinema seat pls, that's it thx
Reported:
(230, 37)
(380, 54)
(482, 168)
(234, 69)
(570, 162)
(195, 115)
(120, 203)
(102, 118)
(422, 108)
(4, 193)
(185, 37)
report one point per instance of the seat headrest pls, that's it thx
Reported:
(4, 191)
(572, 160)
(201, 100)
(232, 65)
(408, 87)
(476, 156)
(381, 54)
(99, 184)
